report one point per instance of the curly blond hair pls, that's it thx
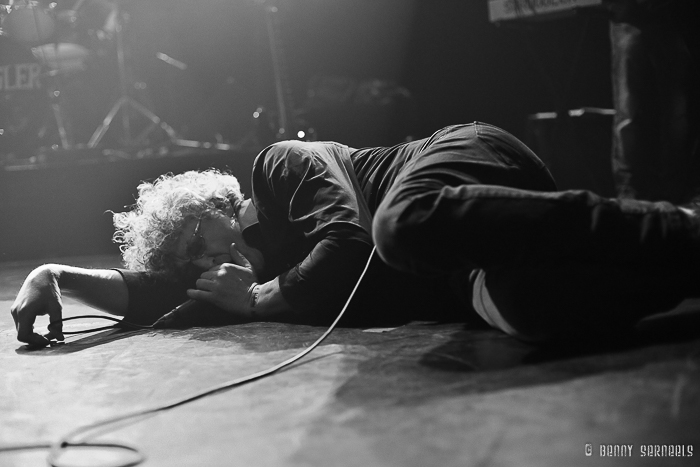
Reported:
(148, 232)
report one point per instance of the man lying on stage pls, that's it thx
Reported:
(468, 213)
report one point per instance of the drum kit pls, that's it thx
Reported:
(43, 46)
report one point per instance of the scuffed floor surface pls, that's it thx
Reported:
(419, 395)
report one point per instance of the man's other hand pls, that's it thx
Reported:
(38, 296)
(228, 285)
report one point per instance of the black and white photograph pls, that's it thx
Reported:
(349, 233)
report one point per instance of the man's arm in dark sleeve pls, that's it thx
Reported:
(307, 191)
(150, 296)
(321, 284)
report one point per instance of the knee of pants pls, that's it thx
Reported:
(389, 237)
(399, 232)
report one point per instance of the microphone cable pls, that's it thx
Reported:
(67, 441)
(119, 324)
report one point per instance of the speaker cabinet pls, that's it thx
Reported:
(576, 146)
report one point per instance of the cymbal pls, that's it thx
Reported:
(63, 57)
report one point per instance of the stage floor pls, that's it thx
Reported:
(423, 394)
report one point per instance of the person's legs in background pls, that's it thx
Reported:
(675, 81)
(656, 131)
(635, 144)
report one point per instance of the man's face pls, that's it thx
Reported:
(218, 231)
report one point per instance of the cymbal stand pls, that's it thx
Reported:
(58, 116)
(125, 100)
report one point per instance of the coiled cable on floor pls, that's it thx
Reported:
(120, 324)
(58, 448)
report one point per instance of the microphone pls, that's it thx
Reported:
(177, 316)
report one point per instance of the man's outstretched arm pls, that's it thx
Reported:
(42, 291)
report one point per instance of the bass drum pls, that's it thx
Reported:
(28, 23)
(25, 108)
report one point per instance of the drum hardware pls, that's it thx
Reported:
(290, 123)
(126, 101)
(55, 97)
(31, 28)
(171, 61)
(24, 102)
(56, 59)
(61, 59)
(28, 22)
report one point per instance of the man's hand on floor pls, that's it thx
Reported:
(39, 295)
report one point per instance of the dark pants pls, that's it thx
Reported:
(478, 198)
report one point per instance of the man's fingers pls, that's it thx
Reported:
(243, 249)
(24, 312)
(238, 256)
(220, 269)
(54, 336)
(205, 284)
(55, 326)
(25, 330)
(35, 340)
(55, 331)
(202, 295)
(24, 322)
(210, 274)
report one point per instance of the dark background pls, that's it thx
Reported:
(457, 66)
(398, 69)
